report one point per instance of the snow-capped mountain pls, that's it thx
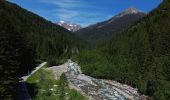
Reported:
(130, 10)
(69, 26)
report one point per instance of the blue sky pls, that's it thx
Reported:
(83, 12)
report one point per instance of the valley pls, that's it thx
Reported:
(126, 57)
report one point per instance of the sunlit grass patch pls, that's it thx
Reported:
(45, 87)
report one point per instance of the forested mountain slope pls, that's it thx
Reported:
(139, 56)
(25, 38)
(103, 31)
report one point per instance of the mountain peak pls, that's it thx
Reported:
(69, 26)
(131, 10)
(61, 21)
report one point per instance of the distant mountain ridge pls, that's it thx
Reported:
(69, 26)
(104, 30)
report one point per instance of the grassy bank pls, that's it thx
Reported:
(43, 86)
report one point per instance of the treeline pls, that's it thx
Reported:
(139, 56)
(26, 38)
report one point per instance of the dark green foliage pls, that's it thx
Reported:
(16, 57)
(26, 37)
(95, 64)
(139, 56)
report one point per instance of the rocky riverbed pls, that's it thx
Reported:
(95, 89)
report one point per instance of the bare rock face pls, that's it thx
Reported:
(130, 10)
(69, 26)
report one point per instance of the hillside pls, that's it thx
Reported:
(26, 38)
(103, 31)
(139, 56)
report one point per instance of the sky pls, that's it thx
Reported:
(83, 12)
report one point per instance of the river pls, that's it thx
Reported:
(96, 89)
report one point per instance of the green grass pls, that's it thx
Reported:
(36, 76)
(74, 95)
(43, 86)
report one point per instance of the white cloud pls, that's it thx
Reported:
(65, 14)
(66, 9)
(66, 4)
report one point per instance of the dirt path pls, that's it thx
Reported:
(36, 68)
